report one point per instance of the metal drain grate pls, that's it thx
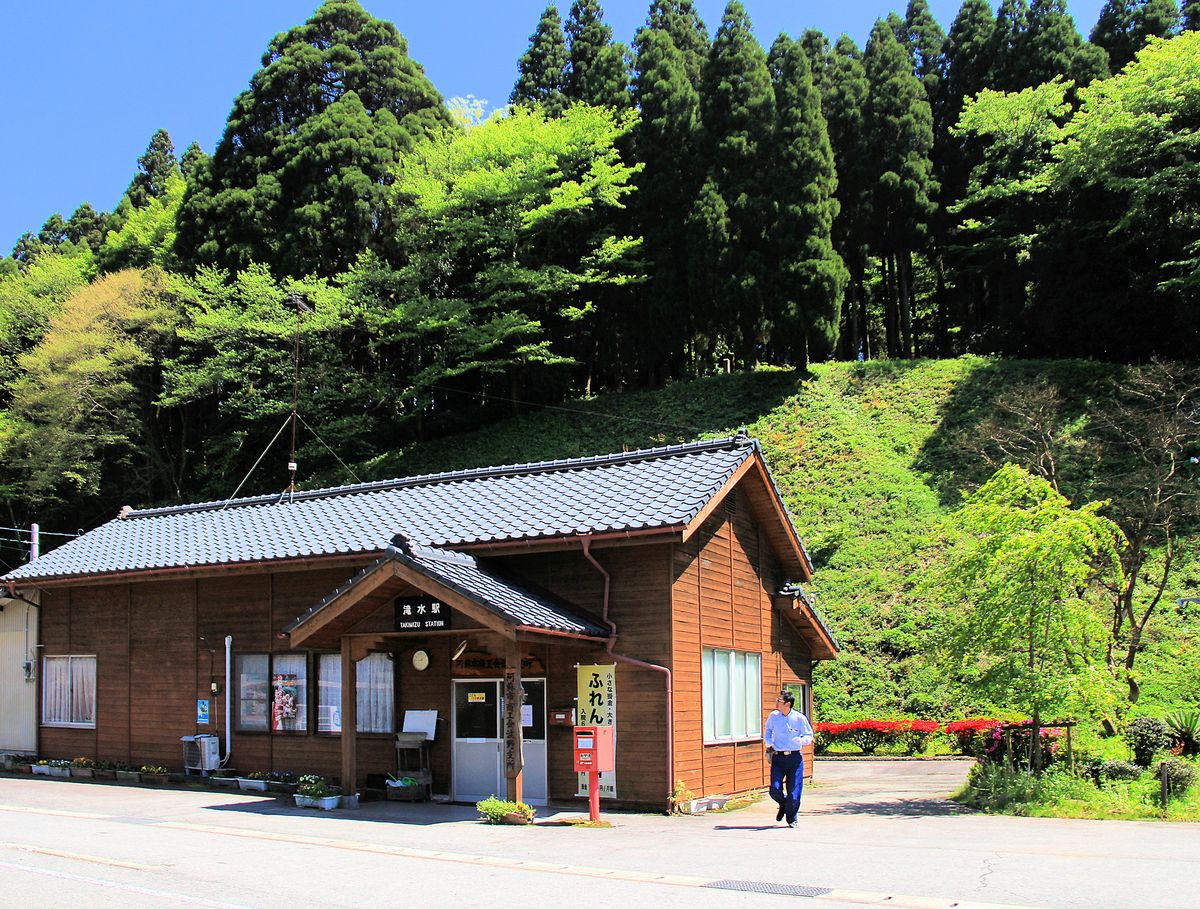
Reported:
(765, 887)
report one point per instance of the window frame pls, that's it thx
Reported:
(308, 713)
(743, 693)
(70, 658)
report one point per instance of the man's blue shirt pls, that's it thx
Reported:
(787, 733)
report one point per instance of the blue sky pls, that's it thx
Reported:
(90, 82)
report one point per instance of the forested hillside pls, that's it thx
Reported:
(676, 228)
(870, 457)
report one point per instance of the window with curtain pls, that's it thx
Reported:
(375, 689)
(69, 691)
(731, 694)
(252, 673)
(272, 692)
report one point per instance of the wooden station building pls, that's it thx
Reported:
(484, 595)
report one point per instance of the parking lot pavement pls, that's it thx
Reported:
(868, 831)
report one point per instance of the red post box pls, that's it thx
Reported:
(594, 754)
(594, 749)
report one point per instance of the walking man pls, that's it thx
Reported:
(787, 731)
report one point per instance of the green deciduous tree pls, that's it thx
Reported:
(542, 68)
(299, 177)
(499, 278)
(806, 302)
(1023, 575)
(76, 419)
(147, 236)
(1122, 228)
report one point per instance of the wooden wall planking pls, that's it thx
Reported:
(724, 579)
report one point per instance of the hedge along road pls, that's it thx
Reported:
(872, 832)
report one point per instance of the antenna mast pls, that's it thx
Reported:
(297, 300)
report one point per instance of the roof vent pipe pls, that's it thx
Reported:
(621, 658)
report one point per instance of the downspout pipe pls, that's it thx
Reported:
(621, 658)
(228, 686)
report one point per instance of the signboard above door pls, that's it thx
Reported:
(481, 664)
(421, 614)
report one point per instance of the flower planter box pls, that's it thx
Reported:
(286, 788)
(516, 819)
(63, 773)
(104, 774)
(23, 768)
(224, 782)
(39, 770)
(324, 803)
(252, 785)
(154, 779)
(82, 773)
(127, 776)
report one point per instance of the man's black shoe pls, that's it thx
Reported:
(791, 823)
(780, 813)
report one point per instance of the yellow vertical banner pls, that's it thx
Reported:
(596, 705)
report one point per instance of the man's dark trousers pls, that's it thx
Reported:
(787, 782)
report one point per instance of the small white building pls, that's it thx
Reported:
(18, 676)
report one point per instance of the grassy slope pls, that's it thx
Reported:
(868, 457)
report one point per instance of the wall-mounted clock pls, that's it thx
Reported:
(420, 660)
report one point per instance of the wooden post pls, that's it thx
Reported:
(349, 720)
(514, 698)
(1070, 753)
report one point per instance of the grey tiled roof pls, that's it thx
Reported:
(470, 577)
(647, 489)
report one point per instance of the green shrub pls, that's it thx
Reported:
(1120, 770)
(1147, 736)
(1185, 729)
(1180, 775)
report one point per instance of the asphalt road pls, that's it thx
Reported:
(877, 833)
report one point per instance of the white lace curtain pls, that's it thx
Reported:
(69, 690)
(376, 693)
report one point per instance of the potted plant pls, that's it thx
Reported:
(41, 768)
(126, 773)
(498, 811)
(314, 792)
(83, 768)
(281, 781)
(23, 763)
(60, 768)
(253, 782)
(153, 775)
(103, 770)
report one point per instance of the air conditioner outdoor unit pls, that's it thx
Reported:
(201, 752)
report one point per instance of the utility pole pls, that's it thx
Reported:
(34, 541)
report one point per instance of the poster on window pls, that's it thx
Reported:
(596, 705)
(285, 700)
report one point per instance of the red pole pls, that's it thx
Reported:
(593, 795)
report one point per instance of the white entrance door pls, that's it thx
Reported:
(533, 735)
(478, 745)
(479, 740)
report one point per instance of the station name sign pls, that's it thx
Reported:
(421, 614)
